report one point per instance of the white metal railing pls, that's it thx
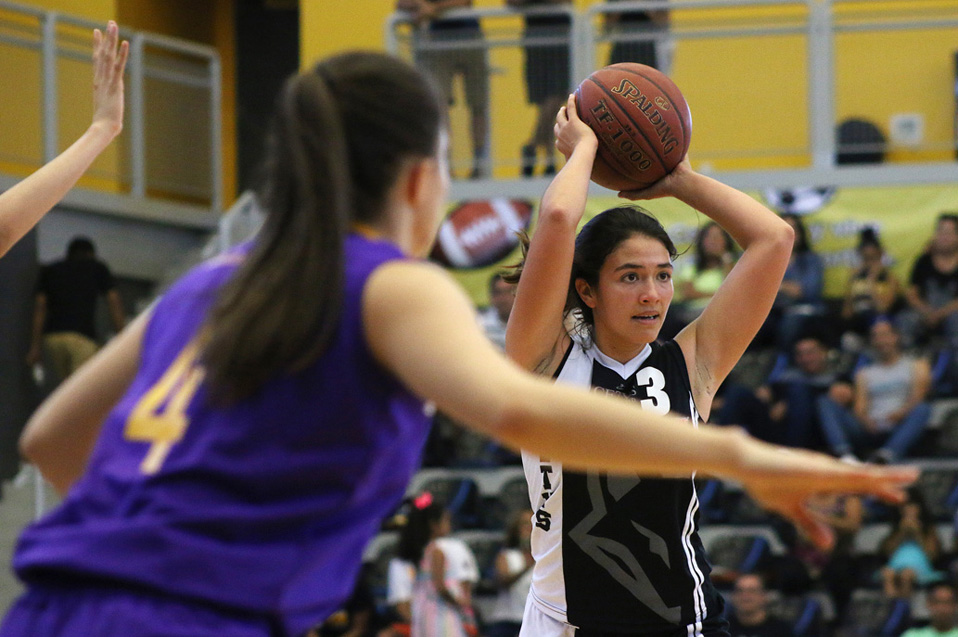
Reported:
(812, 25)
(171, 148)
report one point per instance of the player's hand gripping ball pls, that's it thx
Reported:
(642, 121)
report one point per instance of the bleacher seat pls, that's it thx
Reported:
(870, 614)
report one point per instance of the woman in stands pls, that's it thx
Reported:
(23, 205)
(226, 458)
(621, 555)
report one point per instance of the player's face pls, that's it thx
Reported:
(433, 203)
(633, 294)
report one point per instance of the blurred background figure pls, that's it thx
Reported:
(889, 412)
(466, 58)
(513, 577)
(932, 292)
(911, 549)
(696, 281)
(547, 77)
(942, 614)
(502, 295)
(873, 291)
(654, 52)
(749, 616)
(447, 570)
(65, 310)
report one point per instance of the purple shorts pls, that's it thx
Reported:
(108, 611)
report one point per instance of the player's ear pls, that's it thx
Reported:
(416, 177)
(585, 292)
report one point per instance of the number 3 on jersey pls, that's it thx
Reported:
(654, 382)
(159, 417)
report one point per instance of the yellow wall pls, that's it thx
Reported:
(210, 22)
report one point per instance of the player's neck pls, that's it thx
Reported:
(617, 349)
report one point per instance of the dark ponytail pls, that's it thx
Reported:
(339, 137)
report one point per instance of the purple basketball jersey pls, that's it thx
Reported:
(264, 506)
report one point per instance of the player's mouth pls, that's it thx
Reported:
(646, 317)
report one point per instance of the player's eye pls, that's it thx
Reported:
(665, 275)
(630, 277)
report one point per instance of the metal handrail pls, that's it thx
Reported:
(51, 50)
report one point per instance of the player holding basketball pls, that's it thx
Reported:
(621, 555)
(23, 205)
(228, 456)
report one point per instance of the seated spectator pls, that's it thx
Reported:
(696, 282)
(910, 548)
(805, 566)
(513, 577)
(873, 291)
(442, 595)
(800, 294)
(783, 409)
(932, 293)
(749, 616)
(942, 612)
(889, 409)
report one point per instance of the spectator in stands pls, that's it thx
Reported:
(450, 47)
(64, 315)
(352, 620)
(493, 319)
(845, 514)
(889, 409)
(910, 548)
(651, 52)
(513, 577)
(696, 282)
(942, 613)
(400, 579)
(749, 615)
(547, 78)
(442, 595)
(783, 409)
(932, 293)
(800, 295)
(873, 291)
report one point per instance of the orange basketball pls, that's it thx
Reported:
(642, 121)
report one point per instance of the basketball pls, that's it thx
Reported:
(642, 121)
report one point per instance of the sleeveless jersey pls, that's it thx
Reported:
(618, 553)
(264, 506)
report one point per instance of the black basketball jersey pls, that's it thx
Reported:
(616, 553)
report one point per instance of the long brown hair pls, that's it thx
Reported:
(339, 137)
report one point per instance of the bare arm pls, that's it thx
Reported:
(467, 378)
(536, 336)
(23, 205)
(60, 436)
(715, 341)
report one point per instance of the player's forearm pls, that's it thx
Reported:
(747, 220)
(23, 205)
(565, 198)
(587, 430)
